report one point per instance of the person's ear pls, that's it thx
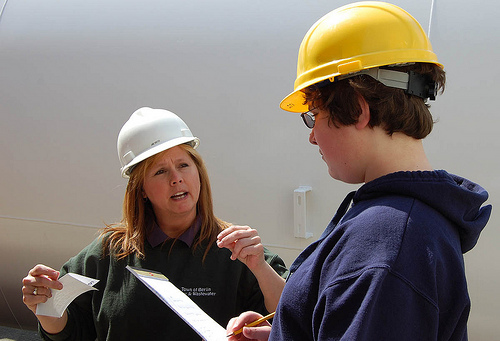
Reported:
(364, 117)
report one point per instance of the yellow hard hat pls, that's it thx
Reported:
(353, 38)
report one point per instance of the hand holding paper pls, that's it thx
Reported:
(73, 286)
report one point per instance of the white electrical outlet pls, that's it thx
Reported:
(301, 229)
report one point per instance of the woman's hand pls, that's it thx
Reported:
(37, 288)
(38, 284)
(244, 243)
(260, 332)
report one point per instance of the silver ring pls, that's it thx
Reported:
(35, 292)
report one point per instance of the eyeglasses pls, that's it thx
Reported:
(308, 118)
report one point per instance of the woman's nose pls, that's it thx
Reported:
(175, 179)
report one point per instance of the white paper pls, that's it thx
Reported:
(181, 304)
(73, 286)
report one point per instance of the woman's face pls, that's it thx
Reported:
(172, 185)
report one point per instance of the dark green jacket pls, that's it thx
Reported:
(125, 309)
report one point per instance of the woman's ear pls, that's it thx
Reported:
(364, 117)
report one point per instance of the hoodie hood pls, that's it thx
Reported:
(456, 198)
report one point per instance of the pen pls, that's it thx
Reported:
(254, 323)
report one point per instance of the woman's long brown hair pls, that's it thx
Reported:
(128, 236)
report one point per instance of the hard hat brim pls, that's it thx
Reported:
(294, 102)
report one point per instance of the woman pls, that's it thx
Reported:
(168, 226)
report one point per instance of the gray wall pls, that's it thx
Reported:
(72, 72)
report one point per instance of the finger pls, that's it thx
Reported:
(248, 247)
(230, 230)
(225, 232)
(260, 332)
(43, 270)
(243, 319)
(243, 247)
(30, 290)
(41, 281)
(42, 276)
(250, 251)
(42, 291)
(237, 235)
(31, 300)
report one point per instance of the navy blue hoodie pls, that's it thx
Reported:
(391, 268)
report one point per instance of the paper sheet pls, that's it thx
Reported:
(181, 304)
(73, 286)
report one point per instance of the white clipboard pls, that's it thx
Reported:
(181, 304)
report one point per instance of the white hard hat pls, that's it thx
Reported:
(148, 132)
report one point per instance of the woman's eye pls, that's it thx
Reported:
(182, 165)
(161, 171)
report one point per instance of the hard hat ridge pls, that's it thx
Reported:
(148, 132)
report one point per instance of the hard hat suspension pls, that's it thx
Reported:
(411, 82)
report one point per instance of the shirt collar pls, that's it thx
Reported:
(157, 236)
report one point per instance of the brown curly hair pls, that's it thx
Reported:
(390, 108)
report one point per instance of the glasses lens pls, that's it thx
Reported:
(308, 119)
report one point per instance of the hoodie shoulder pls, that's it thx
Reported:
(456, 198)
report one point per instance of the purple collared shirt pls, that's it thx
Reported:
(157, 236)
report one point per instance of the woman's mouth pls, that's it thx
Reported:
(179, 195)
